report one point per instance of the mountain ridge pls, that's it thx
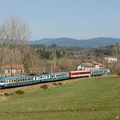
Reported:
(71, 42)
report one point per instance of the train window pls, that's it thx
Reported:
(52, 76)
(97, 71)
(63, 75)
(105, 71)
(35, 78)
(47, 76)
(58, 75)
(44, 76)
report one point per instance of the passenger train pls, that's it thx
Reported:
(33, 79)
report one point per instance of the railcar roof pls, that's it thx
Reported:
(80, 71)
(99, 69)
(58, 73)
(18, 77)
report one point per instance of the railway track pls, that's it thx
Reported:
(13, 89)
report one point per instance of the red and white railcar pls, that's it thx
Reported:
(75, 74)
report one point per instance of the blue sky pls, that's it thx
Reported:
(79, 19)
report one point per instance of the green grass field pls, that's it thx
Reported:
(82, 99)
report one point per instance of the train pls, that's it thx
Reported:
(48, 77)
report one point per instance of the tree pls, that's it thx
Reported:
(12, 31)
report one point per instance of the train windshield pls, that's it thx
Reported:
(2, 81)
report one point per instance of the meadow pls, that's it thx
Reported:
(82, 99)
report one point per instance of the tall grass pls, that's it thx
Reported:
(82, 99)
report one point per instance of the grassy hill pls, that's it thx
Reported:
(82, 99)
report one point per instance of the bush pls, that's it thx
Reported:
(114, 68)
(6, 94)
(19, 92)
(59, 83)
(44, 86)
(55, 84)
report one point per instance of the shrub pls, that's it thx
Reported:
(44, 86)
(6, 94)
(19, 92)
(115, 68)
(55, 84)
(59, 83)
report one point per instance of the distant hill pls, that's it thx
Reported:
(69, 42)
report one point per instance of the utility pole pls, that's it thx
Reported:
(54, 58)
(51, 67)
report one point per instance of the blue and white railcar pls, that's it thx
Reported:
(55, 76)
(32, 79)
(20, 81)
(100, 72)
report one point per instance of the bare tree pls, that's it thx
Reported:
(12, 31)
